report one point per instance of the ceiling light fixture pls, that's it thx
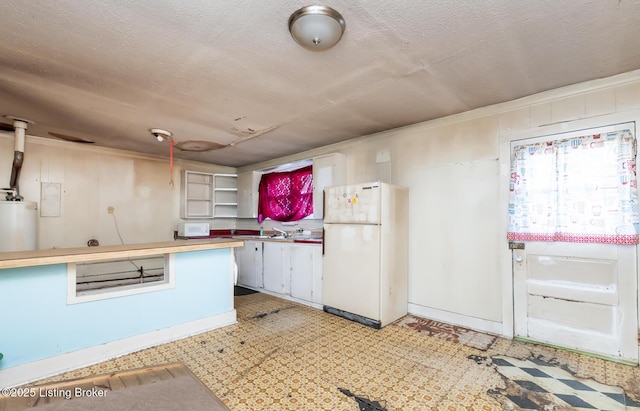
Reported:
(316, 28)
(160, 134)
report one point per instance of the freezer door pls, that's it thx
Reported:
(351, 269)
(353, 204)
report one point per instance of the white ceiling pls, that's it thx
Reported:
(223, 70)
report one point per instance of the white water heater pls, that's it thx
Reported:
(18, 228)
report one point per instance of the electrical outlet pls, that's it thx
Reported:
(110, 209)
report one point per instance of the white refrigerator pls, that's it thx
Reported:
(365, 252)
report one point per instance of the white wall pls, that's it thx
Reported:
(456, 169)
(457, 173)
(92, 179)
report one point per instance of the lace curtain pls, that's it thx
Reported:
(582, 190)
(286, 196)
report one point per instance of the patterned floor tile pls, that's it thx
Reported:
(286, 356)
(541, 383)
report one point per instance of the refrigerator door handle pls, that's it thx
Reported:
(324, 204)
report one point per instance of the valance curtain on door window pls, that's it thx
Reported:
(581, 189)
(286, 196)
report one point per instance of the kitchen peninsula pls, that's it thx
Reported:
(49, 328)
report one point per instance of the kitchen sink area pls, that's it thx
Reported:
(281, 235)
(290, 238)
(314, 237)
(286, 266)
(283, 264)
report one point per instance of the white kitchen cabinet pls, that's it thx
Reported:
(328, 170)
(305, 272)
(249, 260)
(196, 194)
(225, 199)
(274, 268)
(248, 183)
(293, 270)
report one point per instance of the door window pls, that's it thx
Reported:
(581, 189)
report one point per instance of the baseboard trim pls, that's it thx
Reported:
(284, 297)
(37, 370)
(478, 324)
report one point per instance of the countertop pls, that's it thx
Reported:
(72, 255)
(252, 235)
(304, 240)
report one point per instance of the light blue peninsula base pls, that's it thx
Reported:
(42, 334)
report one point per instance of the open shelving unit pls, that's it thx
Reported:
(197, 195)
(209, 195)
(225, 194)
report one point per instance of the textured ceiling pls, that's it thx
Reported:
(226, 71)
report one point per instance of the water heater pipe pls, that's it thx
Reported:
(20, 127)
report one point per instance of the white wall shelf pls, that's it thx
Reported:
(225, 195)
(197, 194)
(248, 184)
(208, 195)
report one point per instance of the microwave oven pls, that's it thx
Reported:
(193, 229)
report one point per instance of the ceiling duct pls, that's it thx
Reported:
(20, 126)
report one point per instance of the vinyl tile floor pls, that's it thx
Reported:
(286, 356)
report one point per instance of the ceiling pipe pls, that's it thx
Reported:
(20, 127)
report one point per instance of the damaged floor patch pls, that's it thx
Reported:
(364, 404)
(262, 315)
(534, 384)
(449, 332)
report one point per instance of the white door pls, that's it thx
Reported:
(274, 266)
(301, 266)
(351, 268)
(248, 183)
(305, 263)
(579, 296)
(249, 260)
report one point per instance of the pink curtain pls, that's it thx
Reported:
(286, 196)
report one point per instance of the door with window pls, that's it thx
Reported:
(573, 224)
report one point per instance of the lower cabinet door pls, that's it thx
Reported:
(273, 269)
(305, 263)
(301, 268)
(249, 259)
(292, 269)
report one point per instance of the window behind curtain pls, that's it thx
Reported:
(581, 189)
(286, 196)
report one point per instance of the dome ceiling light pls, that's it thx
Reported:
(316, 28)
